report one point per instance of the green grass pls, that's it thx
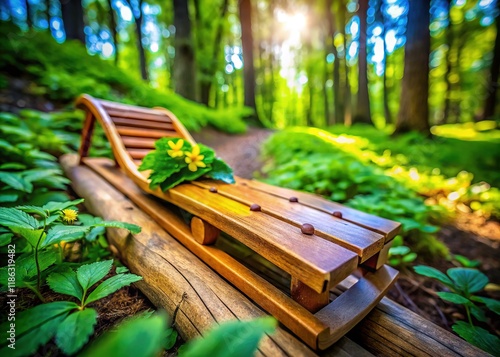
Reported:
(61, 72)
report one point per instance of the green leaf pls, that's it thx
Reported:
(468, 280)
(492, 304)
(142, 337)
(170, 339)
(89, 274)
(221, 171)
(61, 233)
(454, 298)
(35, 327)
(433, 273)
(478, 313)
(134, 229)
(120, 270)
(237, 337)
(409, 258)
(401, 250)
(466, 262)
(478, 337)
(65, 282)
(75, 330)
(26, 267)
(5, 239)
(33, 209)
(111, 285)
(13, 218)
(59, 206)
(15, 181)
(8, 196)
(32, 236)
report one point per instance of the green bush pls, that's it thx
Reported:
(63, 71)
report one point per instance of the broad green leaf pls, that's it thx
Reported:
(401, 250)
(32, 236)
(468, 280)
(9, 196)
(136, 337)
(59, 206)
(492, 304)
(15, 181)
(409, 258)
(478, 337)
(12, 166)
(170, 339)
(135, 229)
(478, 313)
(65, 282)
(94, 233)
(120, 270)
(454, 298)
(33, 209)
(111, 285)
(75, 330)
(5, 238)
(433, 273)
(13, 218)
(65, 233)
(26, 267)
(232, 338)
(221, 171)
(89, 274)
(466, 262)
(35, 317)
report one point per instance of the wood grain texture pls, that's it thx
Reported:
(381, 225)
(139, 143)
(142, 123)
(389, 330)
(203, 232)
(144, 133)
(362, 241)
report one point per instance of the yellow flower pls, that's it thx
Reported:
(69, 215)
(176, 148)
(194, 159)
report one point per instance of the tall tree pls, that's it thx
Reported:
(112, 27)
(414, 108)
(362, 114)
(184, 61)
(72, 14)
(29, 15)
(347, 102)
(138, 18)
(491, 95)
(338, 115)
(245, 9)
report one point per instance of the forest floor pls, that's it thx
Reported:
(468, 235)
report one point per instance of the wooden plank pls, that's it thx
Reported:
(309, 258)
(132, 109)
(363, 242)
(138, 153)
(381, 225)
(145, 133)
(142, 123)
(169, 270)
(138, 143)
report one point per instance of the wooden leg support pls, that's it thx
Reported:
(379, 259)
(88, 130)
(203, 232)
(307, 297)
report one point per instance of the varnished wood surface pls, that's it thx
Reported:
(389, 330)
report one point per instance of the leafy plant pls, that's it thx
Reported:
(400, 255)
(43, 228)
(71, 324)
(175, 160)
(464, 283)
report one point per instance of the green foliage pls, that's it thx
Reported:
(241, 337)
(64, 71)
(463, 283)
(400, 255)
(338, 168)
(175, 160)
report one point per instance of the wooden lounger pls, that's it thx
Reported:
(345, 241)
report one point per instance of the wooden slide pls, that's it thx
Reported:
(336, 244)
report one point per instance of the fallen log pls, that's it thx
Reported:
(170, 272)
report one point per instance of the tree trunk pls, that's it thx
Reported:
(184, 61)
(385, 89)
(29, 14)
(72, 14)
(112, 27)
(347, 85)
(336, 64)
(140, 47)
(47, 13)
(245, 9)
(490, 102)
(362, 114)
(414, 108)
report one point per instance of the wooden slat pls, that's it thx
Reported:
(138, 153)
(381, 225)
(142, 123)
(311, 259)
(145, 133)
(138, 143)
(362, 241)
(131, 109)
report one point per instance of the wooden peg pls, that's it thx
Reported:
(307, 297)
(203, 232)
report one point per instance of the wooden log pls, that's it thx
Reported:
(169, 271)
(203, 232)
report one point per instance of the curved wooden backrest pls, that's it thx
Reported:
(131, 130)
